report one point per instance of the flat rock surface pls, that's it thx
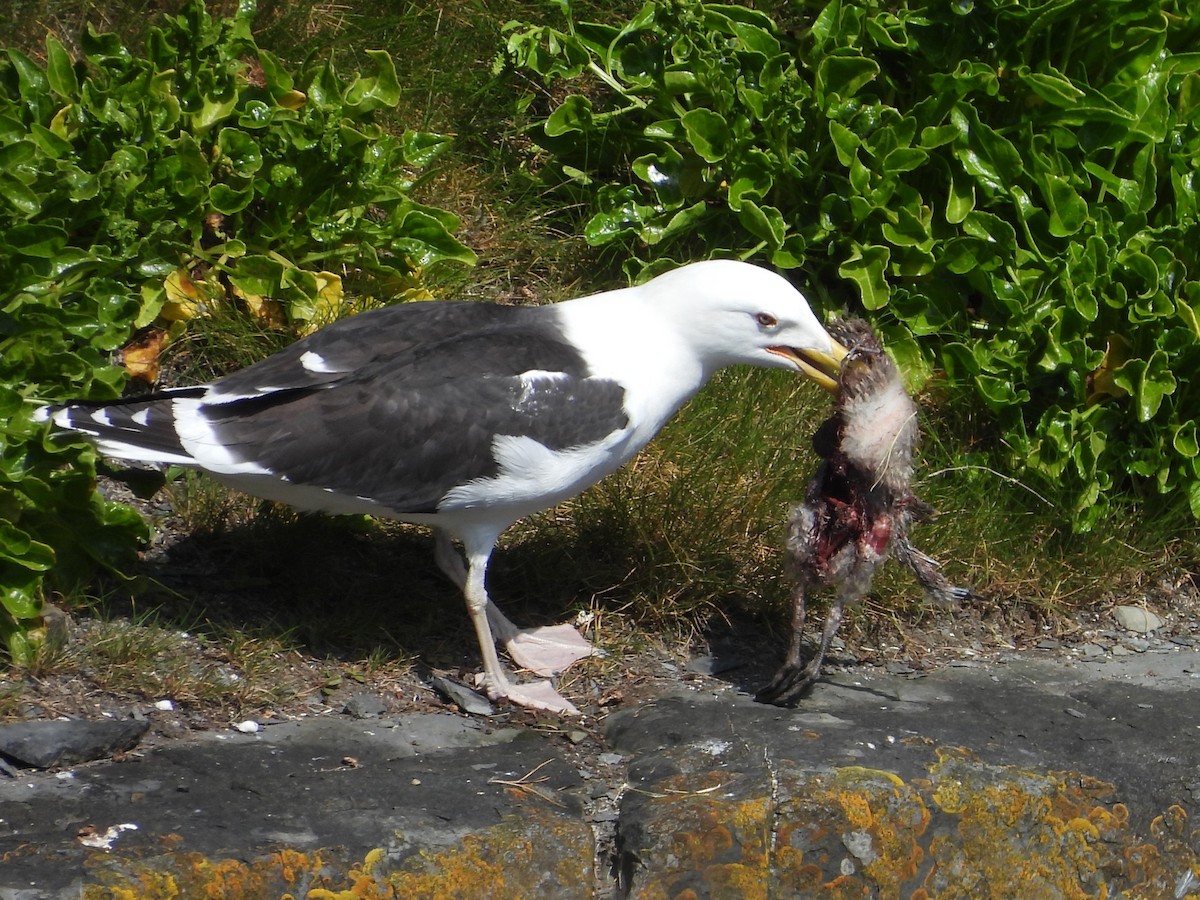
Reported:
(1020, 777)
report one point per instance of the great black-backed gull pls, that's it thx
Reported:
(467, 416)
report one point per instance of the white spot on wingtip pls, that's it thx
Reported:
(314, 362)
(100, 417)
(142, 417)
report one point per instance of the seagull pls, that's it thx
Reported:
(467, 416)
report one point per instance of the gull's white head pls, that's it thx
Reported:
(733, 312)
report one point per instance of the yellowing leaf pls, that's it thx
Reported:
(291, 99)
(140, 356)
(1101, 383)
(266, 310)
(327, 304)
(183, 298)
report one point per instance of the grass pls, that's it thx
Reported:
(687, 535)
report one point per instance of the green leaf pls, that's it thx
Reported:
(44, 241)
(258, 275)
(984, 152)
(842, 74)
(866, 267)
(18, 196)
(1052, 86)
(19, 603)
(60, 71)
(381, 90)
(1148, 382)
(228, 200)
(240, 151)
(18, 548)
(573, 114)
(1185, 440)
(1068, 210)
(421, 148)
(764, 222)
(845, 142)
(961, 199)
(707, 132)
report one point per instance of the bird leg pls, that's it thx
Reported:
(495, 680)
(544, 651)
(448, 559)
(793, 681)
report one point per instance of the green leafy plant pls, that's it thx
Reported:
(137, 192)
(1009, 190)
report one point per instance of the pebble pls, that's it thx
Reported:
(1047, 644)
(462, 696)
(247, 727)
(1092, 651)
(164, 706)
(364, 706)
(1137, 619)
(1070, 711)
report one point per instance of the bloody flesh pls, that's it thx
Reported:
(859, 505)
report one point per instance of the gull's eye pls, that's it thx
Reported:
(766, 320)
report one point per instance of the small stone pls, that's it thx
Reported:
(1092, 651)
(1137, 619)
(1121, 650)
(1074, 712)
(364, 706)
(576, 737)
(247, 727)
(1137, 645)
(164, 706)
(462, 696)
(899, 668)
(1047, 644)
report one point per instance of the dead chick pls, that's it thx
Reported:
(859, 505)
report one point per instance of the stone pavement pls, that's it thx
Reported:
(1021, 778)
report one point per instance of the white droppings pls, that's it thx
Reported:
(103, 839)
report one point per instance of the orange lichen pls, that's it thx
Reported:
(515, 858)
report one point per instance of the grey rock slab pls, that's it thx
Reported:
(895, 786)
(44, 744)
(403, 789)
